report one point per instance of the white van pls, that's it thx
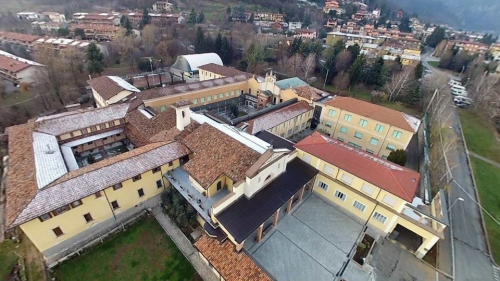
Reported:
(454, 82)
(459, 92)
(461, 99)
(457, 87)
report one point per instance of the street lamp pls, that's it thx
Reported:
(454, 202)
(327, 70)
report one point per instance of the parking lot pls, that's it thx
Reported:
(309, 246)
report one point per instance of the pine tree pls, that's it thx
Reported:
(192, 17)
(419, 70)
(146, 18)
(251, 19)
(356, 71)
(201, 17)
(218, 44)
(127, 24)
(377, 75)
(95, 59)
(199, 44)
(226, 51)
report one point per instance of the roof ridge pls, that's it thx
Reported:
(399, 184)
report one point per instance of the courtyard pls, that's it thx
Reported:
(142, 252)
(307, 246)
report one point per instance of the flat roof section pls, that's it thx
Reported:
(275, 140)
(244, 216)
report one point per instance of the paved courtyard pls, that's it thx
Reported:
(310, 244)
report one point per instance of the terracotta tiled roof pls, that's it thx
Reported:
(223, 70)
(11, 64)
(21, 177)
(232, 265)
(215, 154)
(277, 117)
(376, 112)
(105, 87)
(166, 120)
(303, 30)
(384, 174)
(19, 36)
(96, 27)
(310, 93)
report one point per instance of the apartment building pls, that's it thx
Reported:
(468, 46)
(18, 70)
(375, 129)
(61, 46)
(26, 40)
(97, 32)
(305, 33)
(214, 71)
(378, 192)
(162, 6)
(98, 19)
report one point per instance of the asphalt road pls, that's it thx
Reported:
(471, 255)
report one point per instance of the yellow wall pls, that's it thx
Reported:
(98, 127)
(284, 128)
(224, 181)
(72, 222)
(208, 75)
(368, 132)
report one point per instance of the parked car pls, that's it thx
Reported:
(462, 99)
(454, 83)
(461, 104)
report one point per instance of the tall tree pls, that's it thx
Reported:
(419, 70)
(80, 33)
(405, 24)
(226, 51)
(218, 44)
(377, 74)
(239, 13)
(146, 18)
(200, 44)
(400, 84)
(436, 37)
(201, 17)
(356, 71)
(192, 18)
(251, 19)
(127, 24)
(309, 64)
(95, 59)
(63, 32)
(355, 51)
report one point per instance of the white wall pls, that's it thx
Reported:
(256, 183)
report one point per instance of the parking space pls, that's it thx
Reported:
(308, 246)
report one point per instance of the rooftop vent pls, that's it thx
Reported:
(49, 150)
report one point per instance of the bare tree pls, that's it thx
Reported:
(341, 81)
(308, 64)
(400, 84)
(150, 37)
(485, 92)
(343, 61)
(294, 65)
(127, 46)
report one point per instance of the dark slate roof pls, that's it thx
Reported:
(275, 141)
(245, 215)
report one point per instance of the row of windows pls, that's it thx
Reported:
(356, 204)
(220, 96)
(60, 210)
(363, 123)
(97, 127)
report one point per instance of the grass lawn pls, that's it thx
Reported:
(481, 137)
(487, 178)
(143, 252)
(434, 63)
(7, 258)
(14, 98)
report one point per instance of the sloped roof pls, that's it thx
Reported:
(191, 63)
(232, 265)
(310, 93)
(217, 153)
(377, 112)
(290, 83)
(223, 70)
(109, 86)
(277, 117)
(397, 180)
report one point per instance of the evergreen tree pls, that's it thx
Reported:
(377, 74)
(63, 32)
(295, 46)
(405, 24)
(201, 17)
(192, 17)
(80, 33)
(95, 59)
(218, 44)
(175, 33)
(228, 10)
(419, 70)
(436, 37)
(199, 44)
(355, 51)
(146, 18)
(251, 19)
(397, 156)
(226, 51)
(127, 24)
(356, 71)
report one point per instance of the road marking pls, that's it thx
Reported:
(496, 273)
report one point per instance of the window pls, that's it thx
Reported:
(340, 139)
(98, 194)
(88, 217)
(363, 123)
(136, 178)
(379, 128)
(391, 147)
(389, 200)
(397, 134)
(295, 119)
(331, 112)
(57, 231)
(44, 217)
(227, 94)
(347, 117)
(282, 135)
(156, 170)
(221, 95)
(343, 129)
(370, 151)
(358, 135)
(373, 141)
(384, 156)
(163, 108)
(76, 203)
(327, 169)
(158, 184)
(297, 128)
(303, 125)
(328, 124)
(118, 135)
(289, 132)
(195, 101)
(359, 206)
(83, 131)
(232, 93)
(354, 145)
(215, 96)
(379, 217)
(367, 189)
(202, 99)
(104, 139)
(323, 185)
(209, 98)
(140, 192)
(170, 164)
(93, 128)
(115, 205)
(111, 123)
(306, 158)
(340, 195)
(117, 186)
(346, 178)
(61, 210)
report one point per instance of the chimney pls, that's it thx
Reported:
(182, 114)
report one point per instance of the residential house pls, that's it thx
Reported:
(305, 33)
(213, 71)
(26, 40)
(47, 26)
(366, 126)
(332, 5)
(468, 46)
(332, 37)
(97, 32)
(18, 70)
(55, 16)
(162, 6)
(98, 19)
(28, 16)
(377, 192)
(108, 90)
(294, 25)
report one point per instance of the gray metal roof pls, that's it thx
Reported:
(49, 162)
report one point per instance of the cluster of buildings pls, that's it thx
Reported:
(18, 70)
(241, 175)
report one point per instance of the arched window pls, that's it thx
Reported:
(219, 186)
(268, 178)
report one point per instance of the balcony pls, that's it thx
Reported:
(179, 179)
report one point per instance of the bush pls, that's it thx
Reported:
(398, 156)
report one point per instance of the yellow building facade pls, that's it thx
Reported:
(364, 131)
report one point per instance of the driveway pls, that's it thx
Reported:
(312, 243)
